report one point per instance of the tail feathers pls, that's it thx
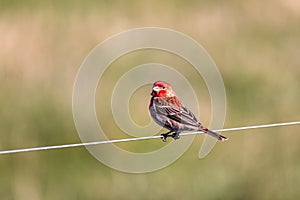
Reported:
(215, 135)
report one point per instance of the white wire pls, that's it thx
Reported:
(143, 138)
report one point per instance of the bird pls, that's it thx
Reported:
(167, 111)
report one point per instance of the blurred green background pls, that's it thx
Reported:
(255, 44)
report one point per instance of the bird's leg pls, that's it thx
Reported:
(175, 135)
(165, 135)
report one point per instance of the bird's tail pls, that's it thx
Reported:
(213, 134)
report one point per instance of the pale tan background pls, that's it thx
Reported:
(256, 46)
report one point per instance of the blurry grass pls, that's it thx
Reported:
(254, 44)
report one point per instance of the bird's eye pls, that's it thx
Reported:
(163, 88)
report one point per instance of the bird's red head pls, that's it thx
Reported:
(162, 89)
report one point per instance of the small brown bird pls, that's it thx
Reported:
(167, 111)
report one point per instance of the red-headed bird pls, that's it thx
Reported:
(167, 111)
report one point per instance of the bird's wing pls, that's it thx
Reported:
(179, 114)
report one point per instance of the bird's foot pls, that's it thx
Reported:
(165, 136)
(175, 136)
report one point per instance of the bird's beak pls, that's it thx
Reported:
(156, 88)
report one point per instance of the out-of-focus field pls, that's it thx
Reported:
(256, 46)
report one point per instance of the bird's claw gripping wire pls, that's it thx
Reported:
(165, 136)
(175, 136)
